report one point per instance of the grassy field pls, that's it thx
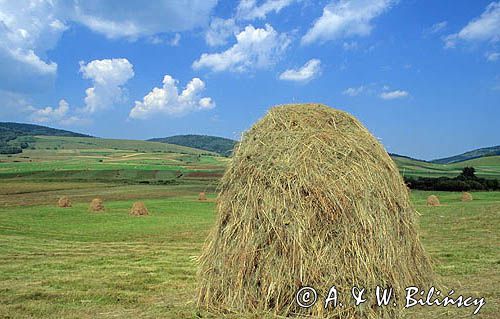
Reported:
(70, 263)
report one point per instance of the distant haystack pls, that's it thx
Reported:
(139, 209)
(433, 200)
(310, 198)
(64, 201)
(96, 205)
(202, 196)
(466, 197)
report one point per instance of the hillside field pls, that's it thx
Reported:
(70, 263)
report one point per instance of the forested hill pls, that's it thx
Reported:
(220, 145)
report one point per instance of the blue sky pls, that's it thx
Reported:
(423, 76)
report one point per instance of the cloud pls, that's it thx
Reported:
(255, 48)
(307, 72)
(345, 19)
(250, 10)
(220, 30)
(392, 95)
(174, 41)
(166, 100)
(492, 56)
(108, 76)
(26, 33)
(484, 28)
(436, 28)
(133, 19)
(354, 91)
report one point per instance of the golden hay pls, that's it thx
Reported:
(64, 201)
(466, 197)
(202, 196)
(96, 205)
(310, 198)
(433, 200)
(139, 209)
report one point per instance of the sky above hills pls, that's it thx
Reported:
(423, 76)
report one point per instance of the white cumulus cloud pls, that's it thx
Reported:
(167, 100)
(492, 56)
(484, 28)
(220, 30)
(26, 33)
(133, 19)
(307, 72)
(250, 9)
(346, 18)
(59, 114)
(255, 48)
(354, 91)
(108, 76)
(392, 95)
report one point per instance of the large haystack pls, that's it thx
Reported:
(202, 196)
(310, 198)
(433, 200)
(466, 197)
(64, 201)
(139, 209)
(96, 205)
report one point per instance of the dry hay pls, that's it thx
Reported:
(310, 198)
(433, 200)
(64, 201)
(466, 197)
(202, 196)
(139, 209)
(96, 205)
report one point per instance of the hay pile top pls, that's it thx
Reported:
(96, 205)
(64, 201)
(433, 200)
(139, 209)
(466, 197)
(309, 198)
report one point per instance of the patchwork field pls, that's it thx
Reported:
(70, 263)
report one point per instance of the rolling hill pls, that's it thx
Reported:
(11, 133)
(219, 145)
(481, 152)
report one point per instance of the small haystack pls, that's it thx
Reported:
(64, 201)
(96, 205)
(310, 198)
(433, 200)
(202, 196)
(139, 209)
(466, 197)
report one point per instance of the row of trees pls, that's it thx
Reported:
(466, 181)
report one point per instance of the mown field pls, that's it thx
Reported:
(70, 263)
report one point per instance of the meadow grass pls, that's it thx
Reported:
(70, 263)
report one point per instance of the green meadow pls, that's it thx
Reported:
(71, 263)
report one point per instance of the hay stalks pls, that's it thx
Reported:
(96, 205)
(139, 209)
(64, 201)
(466, 197)
(310, 198)
(433, 200)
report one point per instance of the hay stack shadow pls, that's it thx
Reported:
(310, 198)
(433, 200)
(96, 205)
(139, 209)
(64, 201)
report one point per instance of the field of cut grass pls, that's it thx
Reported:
(70, 263)
(487, 167)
